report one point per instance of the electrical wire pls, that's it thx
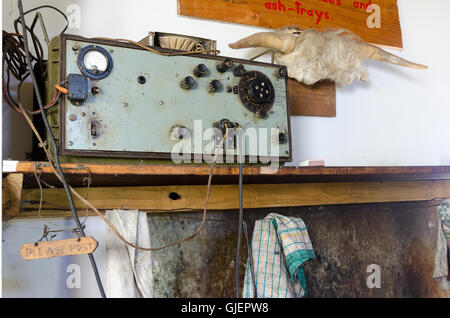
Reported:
(52, 139)
(13, 54)
(41, 200)
(39, 51)
(49, 7)
(242, 223)
(15, 106)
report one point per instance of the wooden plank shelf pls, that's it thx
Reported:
(108, 175)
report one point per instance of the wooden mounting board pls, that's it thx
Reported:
(315, 100)
(320, 14)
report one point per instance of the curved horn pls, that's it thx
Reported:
(375, 53)
(282, 42)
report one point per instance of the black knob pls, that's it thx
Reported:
(200, 70)
(239, 71)
(95, 90)
(225, 65)
(214, 86)
(225, 124)
(261, 90)
(141, 79)
(187, 83)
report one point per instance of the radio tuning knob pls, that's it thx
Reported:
(180, 132)
(224, 66)
(187, 83)
(214, 86)
(200, 70)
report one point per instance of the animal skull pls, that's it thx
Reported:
(312, 56)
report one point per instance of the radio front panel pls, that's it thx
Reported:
(124, 101)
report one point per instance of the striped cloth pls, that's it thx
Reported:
(280, 246)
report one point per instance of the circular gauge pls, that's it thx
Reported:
(95, 62)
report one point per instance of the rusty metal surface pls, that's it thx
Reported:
(400, 238)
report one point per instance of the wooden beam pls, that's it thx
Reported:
(225, 197)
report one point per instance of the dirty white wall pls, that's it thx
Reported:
(400, 118)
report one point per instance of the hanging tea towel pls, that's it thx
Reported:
(280, 246)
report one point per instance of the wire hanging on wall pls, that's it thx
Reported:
(52, 140)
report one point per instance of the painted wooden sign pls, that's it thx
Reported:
(375, 21)
(75, 246)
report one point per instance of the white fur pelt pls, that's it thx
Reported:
(312, 56)
(331, 55)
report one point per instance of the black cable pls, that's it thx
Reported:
(52, 139)
(8, 91)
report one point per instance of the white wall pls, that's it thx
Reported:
(400, 118)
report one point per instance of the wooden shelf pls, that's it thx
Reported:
(143, 175)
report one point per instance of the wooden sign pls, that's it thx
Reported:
(375, 21)
(75, 246)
